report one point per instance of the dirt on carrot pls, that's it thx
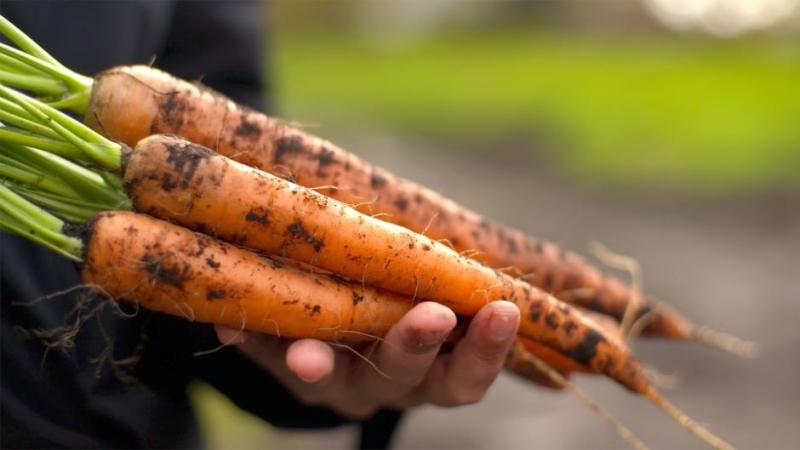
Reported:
(170, 269)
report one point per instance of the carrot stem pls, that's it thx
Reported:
(99, 149)
(73, 82)
(24, 42)
(9, 224)
(27, 138)
(18, 66)
(68, 209)
(91, 185)
(34, 83)
(22, 217)
(33, 58)
(26, 124)
(35, 179)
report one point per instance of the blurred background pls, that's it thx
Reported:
(668, 130)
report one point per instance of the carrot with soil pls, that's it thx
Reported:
(130, 103)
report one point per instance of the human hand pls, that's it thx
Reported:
(405, 369)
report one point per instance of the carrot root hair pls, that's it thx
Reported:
(661, 379)
(624, 432)
(724, 341)
(632, 266)
(631, 326)
(687, 422)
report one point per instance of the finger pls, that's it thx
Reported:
(229, 336)
(310, 360)
(407, 352)
(466, 375)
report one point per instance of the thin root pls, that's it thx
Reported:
(579, 293)
(243, 315)
(446, 242)
(430, 223)
(624, 432)
(724, 341)
(471, 253)
(332, 187)
(641, 323)
(362, 357)
(687, 422)
(661, 379)
(630, 265)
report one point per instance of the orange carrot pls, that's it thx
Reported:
(170, 269)
(183, 182)
(130, 103)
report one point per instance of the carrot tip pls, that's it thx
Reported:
(687, 422)
(724, 341)
(662, 380)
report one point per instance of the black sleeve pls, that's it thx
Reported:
(222, 44)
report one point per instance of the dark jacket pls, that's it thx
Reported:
(122, 381)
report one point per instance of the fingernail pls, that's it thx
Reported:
(502, 325)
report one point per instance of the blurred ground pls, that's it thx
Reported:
(731, 263)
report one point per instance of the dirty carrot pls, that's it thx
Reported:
(170, 269)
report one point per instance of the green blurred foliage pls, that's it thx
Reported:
(648, 109)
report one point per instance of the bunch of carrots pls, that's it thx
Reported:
(175, 198)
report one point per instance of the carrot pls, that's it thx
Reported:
(130, 103)
(167, 268)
